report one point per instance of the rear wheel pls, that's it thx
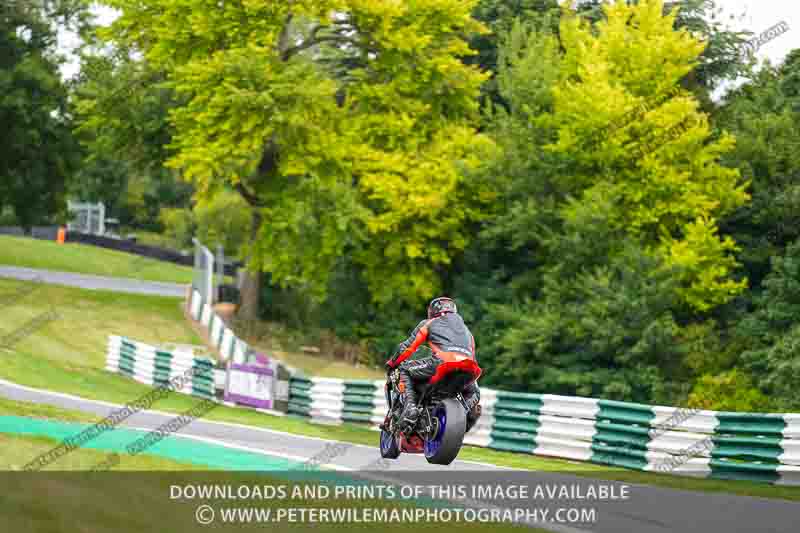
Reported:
(450, 421)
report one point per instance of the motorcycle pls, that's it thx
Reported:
(440, 428)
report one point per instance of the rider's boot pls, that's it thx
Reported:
(410, 413)
(472, 398)
(472, 416)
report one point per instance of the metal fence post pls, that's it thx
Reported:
(220, 268)
(203, 278)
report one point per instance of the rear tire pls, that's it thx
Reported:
(390, 448)
(443, 448)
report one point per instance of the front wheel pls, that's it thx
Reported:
(451, 423)
(390, 449)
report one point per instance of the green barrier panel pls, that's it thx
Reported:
(299, 409)
(299, 396)
(126, 365)
(763, 473)
(128, 350)
(512, 442)
(125, 343)
(625, 412)
(750, 424)
(358, 409)
(358, 400)
(299, 384)
(364, 384)
(356, 418)
(516, 422)
(301, 400)
(620, 434)
(519, 401)
(619, 456)
(767, 449)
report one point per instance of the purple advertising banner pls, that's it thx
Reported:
(249, 385)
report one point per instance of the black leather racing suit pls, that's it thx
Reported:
(446, 333)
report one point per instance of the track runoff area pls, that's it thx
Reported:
(254, 477)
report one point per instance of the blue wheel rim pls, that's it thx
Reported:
(387, 441)
(432, 445)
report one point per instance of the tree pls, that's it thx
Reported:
(604, 244)
(722, 57)
(627, 132)
(499, 16)
(122, 116)
(37, 150)
(608, 332)
(763, 115)
(338, 122)
(773, 330)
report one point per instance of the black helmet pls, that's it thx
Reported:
(441, 305)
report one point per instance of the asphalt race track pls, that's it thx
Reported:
(86, 281)
(648, 509)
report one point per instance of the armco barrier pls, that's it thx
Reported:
(233, 349)
(221, 336)
(153, 366)
(750, 446)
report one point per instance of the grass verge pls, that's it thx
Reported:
(43, 412)
(87, 259)
(16, 451)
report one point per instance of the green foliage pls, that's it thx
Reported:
(179, 226)
(669, 197)
(529, 66)
(773, 329)
(348, 125)
(222, 220)
(122, 121)
(706, 264)
(597, 232)
(122, 109)
(721, 58)
(607, 332)
(763, 116)
(102, 180)
(500, 16)
(37, 150)
(706, 351)
(348, 312)
(602, 254)
(729, 391)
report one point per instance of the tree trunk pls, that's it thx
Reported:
(250, 293)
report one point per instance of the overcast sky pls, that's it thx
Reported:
(754, 15)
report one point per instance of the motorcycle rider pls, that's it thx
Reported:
(445, 333)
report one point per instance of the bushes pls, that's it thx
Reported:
(223, 220)
(346, 317)
(178, 226)
(772, 331)
(729, 391)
